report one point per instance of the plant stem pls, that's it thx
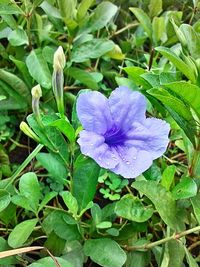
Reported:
(162, 241)
(24, 164)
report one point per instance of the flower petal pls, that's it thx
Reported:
(127, 106)
(132, 162)
(151, 136)
(93, 112)
(94, 146)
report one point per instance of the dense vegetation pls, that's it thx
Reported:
(58, 207)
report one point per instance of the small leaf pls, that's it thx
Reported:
(168, 176)
(143, 19)
(38, 68)
(8, 7)
(83, 76)
(18, 37)
(21, 233)
(196, 206)
(91, 49)
(155, 8)
(105, 252)
(4, 199)
(46, 199)
(83, 8)
(185, 189)
(162, 200)
(132, 209)
(180, 64)
(85, 180)
(70, 202)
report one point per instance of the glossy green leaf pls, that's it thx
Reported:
(83, 8)
(135, 74)
(4, 199)
(83, 76)
(55, 168)
(186, 188)
(48, 197)
(105, 252)
(173, 102)
(65, 127)
(196, 206)
(67, 9)
(21, 233)
(7, 261)
(91, 49)
(168, 176)
(70, 202)
(102, 15)
(48, 261)
(38, 68)
(18, 37)
(158, 27)
(155, 8)
(8, 7)
(104, 225)
(132, 209)
(179, 63)
(85, 178)
(143, 19)
(190, 93)
(162, 200)
(190, 260)
(193, 40)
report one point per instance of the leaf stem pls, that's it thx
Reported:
(162, 241)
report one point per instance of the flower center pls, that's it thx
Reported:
(115, 137)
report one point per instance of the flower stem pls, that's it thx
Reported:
(162, 241)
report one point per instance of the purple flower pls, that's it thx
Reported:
(117, 134)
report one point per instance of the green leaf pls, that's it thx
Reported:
(9, 7)
(158, 27)
(143, 19)
(49, 196)
(67, 9)
(29, 187)
(70, 202)
(185, 189)
(23, 69)
(55, 168)
(62, 224)
(38, 68)
(193, 40)
(83, 76)
(48, 261)
(168, 176)
(155, 8)
(7, 261)
(179, 64)
(173, 102)
(104, 225)
(91, 49)
(135, 74)
(2, 97)
(132, 209)
(190, 93)
(85, 179)
(102, 15)
(18, 37)
(191, 261)
(21, 233)
(162, 200)
(196, 206)
(105, 252)
(65, 127)
(83, 8)
(4, 199)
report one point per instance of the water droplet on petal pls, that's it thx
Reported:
(134, 158)
(99, 158)
(91, 144)
(128, 162)
(107, 163)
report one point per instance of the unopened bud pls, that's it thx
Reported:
(28, 131)
(36, 91)
(59, 59)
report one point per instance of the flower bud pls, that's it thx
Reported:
(36, 94)
(58, 78)
(27, 130)
(59, 59)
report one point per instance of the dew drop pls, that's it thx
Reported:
(134, 158)
(128, 162)
(91, 144)
(99, 158)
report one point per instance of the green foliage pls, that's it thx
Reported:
(55, 197)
